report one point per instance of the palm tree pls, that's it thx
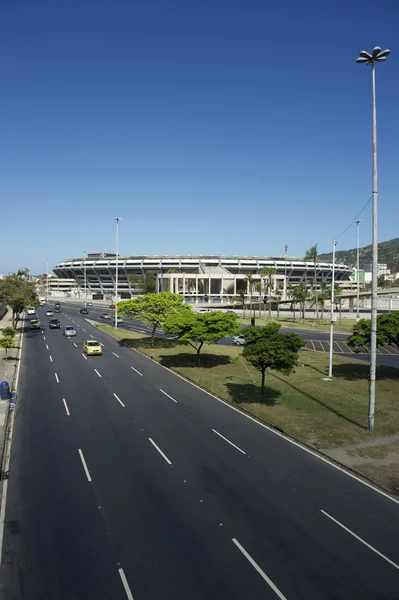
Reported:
(300, 295)
(258, 290)
(268, 273)
(250, 280)
(311, 254)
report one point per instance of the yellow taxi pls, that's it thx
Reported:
(35, 324)
(91, 348)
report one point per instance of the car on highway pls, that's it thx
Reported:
(239, 340)
(55, 324)
(57, 309)
(84, 311)
(49, 313)
(119, 320)
(105, 315)
(90, 304)
(69, 331)
(92, 348)
(35, 324)
(31, 311)
(204, 310)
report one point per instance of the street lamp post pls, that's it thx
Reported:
(377, 55)
(47, 280)
(332, 313)
(85, 280)
(117, 219)
(357, 221)
(285, 269)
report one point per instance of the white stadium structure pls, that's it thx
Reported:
(209, 279)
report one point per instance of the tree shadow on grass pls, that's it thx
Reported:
(320, 402)
(249, 393)
(145, 342)
(186, 359)
(356, 371)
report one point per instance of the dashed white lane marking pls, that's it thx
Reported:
(138, 372)
(97, 373)
(228, 441)
(66, 408)
(168, 396)
(82, 458)
(92, 336)
(361, 540)
(119, 400)
(115, 355)
(47, 347)
(78, 324)
(84, 356)
(160, 452)
(261, 573)
(125, 584)
(56, 376)
(44, 337)
(75, 345)
(84, 330)
(51, 358)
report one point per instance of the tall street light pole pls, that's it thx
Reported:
(285, 269)
(332, 318)
(357, 221)
(85, 280)
(377, 55)
(117, 219)
(47, 280)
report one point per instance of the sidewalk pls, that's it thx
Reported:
(8, 369)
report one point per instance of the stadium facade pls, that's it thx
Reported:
(198, 278)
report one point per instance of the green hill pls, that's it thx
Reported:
(388, 252)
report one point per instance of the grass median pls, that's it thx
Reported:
(328, 415)
(346, 325)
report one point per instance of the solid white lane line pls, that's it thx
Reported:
(138, 372)
(261, 573)
(160, 451)
(75, 345)
(51, 358)
(84, 356)
(47, 347)
(119, 400)
(361, 540)
(125, 584)
(56, 376)
(115, 355)
(82, 458)
(66, 407)
(168, 396)
(97, 372)
(228, 441)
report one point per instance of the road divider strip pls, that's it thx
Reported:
(228, 441)
(260, 571)
(361, 540)
(168, 396)
(160, 452)
(82, 458)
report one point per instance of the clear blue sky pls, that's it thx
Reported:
(212, 127)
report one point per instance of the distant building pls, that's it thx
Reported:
(382, 269)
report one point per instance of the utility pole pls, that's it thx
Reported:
(285, 270)
(332, 318)
(117, 219)
(377, 55)
(47, 280)
(357, 221)
(85, 281)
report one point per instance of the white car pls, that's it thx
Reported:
(69, 331)
(204, 310)
(31, 311)
(49, 313)
(239, 340)
(119, 320)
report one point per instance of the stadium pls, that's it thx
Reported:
(200, 279)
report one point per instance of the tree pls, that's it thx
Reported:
(321, 297)
(267, 348)
(387, 332)
(258, 290)
(153, 309)
(300, 296)
(197, 329)
(8, 331)
(311, 254)
(6, 342)
(18, 293)
(268, 273)
(249, 279)
(143, 284)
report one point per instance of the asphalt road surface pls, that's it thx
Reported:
(128, 482)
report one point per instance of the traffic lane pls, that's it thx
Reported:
(150, 512)
(263, 510)
(54, 542)
(383, 360)
(218, 490)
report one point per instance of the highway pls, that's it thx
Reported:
(127, 482)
